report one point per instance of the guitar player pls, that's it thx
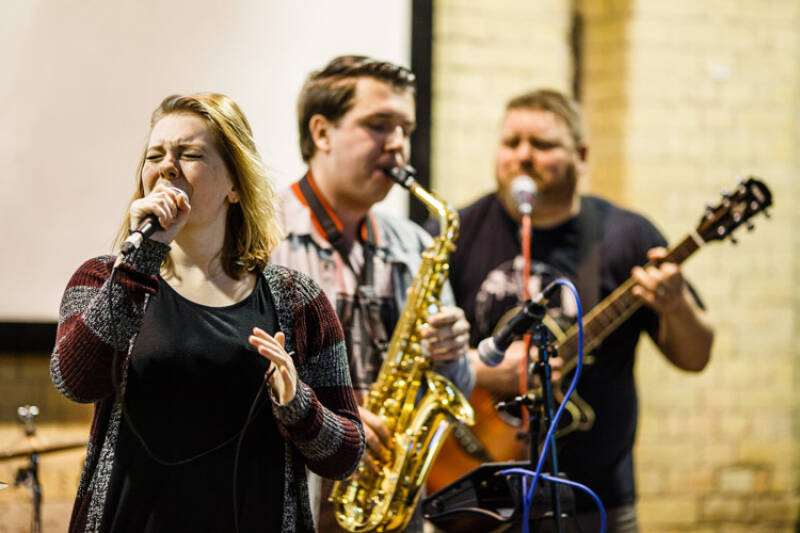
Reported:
(598, 246)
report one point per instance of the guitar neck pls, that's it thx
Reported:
(609, 314)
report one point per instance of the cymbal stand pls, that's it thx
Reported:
(29, 475)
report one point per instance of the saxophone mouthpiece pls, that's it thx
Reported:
(402, 174)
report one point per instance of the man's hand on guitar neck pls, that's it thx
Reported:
(660, 286)
(685, 333)
(503, 379)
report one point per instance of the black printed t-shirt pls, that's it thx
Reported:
(486, 275)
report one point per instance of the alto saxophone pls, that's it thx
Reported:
(385, 501)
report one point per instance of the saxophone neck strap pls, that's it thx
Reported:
(590, 238)
(328, 224)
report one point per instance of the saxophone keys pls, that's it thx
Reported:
(390, 405)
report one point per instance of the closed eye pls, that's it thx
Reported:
(382, 127)
(544, 145)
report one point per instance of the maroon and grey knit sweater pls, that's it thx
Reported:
(321, 424)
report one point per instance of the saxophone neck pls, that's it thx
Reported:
(405, 175)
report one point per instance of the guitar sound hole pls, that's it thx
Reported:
(511, 416)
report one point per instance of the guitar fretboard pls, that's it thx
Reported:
(609, 314)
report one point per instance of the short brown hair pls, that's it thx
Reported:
(329, 92)
(252, 230)
(555, 102)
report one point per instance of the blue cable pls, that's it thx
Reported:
(586, 489)
(546, 477)
(528, 496)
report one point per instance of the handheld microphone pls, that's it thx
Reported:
(492, 350)
(147, 226)
(523, 192)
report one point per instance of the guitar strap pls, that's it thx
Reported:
(587, 272)
(331, 228)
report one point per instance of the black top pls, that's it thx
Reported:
(192, 380)
(486, 275)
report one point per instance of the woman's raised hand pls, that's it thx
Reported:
(283, 380)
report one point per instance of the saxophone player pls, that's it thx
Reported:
(355, 118)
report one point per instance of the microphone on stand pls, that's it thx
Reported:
(492, 350)
(147, 226)
(523, 192)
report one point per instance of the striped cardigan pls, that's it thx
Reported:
(321, 424)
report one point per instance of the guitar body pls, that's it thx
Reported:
(497, 434)
(499, 437)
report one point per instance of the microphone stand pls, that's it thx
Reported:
(544, 371)
(527, 237)
(541, 413)
(487, 499)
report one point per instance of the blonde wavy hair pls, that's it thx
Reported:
(252, 231)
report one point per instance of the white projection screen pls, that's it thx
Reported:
(80, 79)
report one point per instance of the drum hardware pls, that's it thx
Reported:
(31, 447)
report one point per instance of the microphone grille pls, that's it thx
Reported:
(523, 191)
(488, 352)
(181, 192)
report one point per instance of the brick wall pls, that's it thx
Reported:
(483, 53)
(712, 93)
(680, 98)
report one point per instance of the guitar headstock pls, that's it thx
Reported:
(750, 197)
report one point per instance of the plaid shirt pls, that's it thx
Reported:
(397, 259)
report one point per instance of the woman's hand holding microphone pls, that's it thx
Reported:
(160, 215)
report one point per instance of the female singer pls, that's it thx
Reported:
(216, 378)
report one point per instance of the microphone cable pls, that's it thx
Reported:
(528, 494)
(247, 421)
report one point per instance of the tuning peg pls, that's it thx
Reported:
(733, 240)
(726, 193)
(750, 226)
(767, 214)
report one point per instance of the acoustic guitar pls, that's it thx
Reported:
(495, 436)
